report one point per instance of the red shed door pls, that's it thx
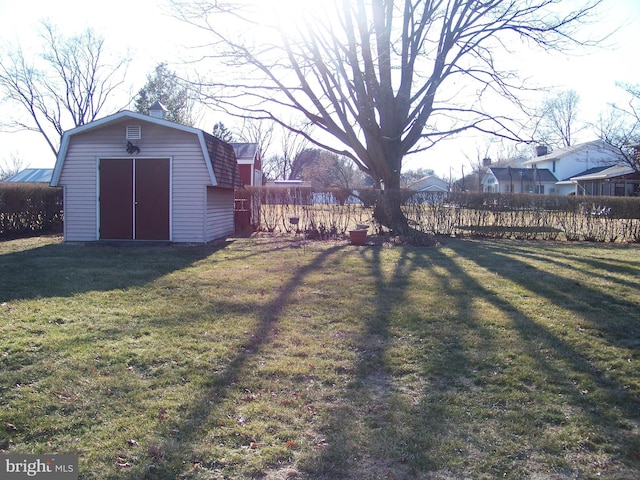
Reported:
(116, 199)
(152, 199)
(134, 199)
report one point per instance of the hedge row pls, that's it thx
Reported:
(518, 216)
(29, 209)
(325, 213)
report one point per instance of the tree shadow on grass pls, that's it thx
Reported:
(214, 400)
(98, 268)
(63, 270)
(574, 369)
(539, 405)
(623, 272)
(437, 389)
(377, 431)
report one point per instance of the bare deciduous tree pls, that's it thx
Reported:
(11, 166)
(257, 131)
(325, 169)
(557, 122)
(619, 127)
(281, 166)
(381, 79)
(68, 88)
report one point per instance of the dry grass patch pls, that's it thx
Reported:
(273, 358)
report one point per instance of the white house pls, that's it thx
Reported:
(430, 188)
(568, 162)
(139, 177)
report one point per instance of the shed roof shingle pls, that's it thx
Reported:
(223, 159)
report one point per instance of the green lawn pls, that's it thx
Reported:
(272, 358)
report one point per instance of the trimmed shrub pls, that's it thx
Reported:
(29, 209)
(329, 213)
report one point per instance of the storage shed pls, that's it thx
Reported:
(130, 176)
(250, 166)
(249, 163)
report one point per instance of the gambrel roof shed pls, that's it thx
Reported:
(130, 176)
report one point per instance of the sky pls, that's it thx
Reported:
(146, 31)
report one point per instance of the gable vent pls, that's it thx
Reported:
(134, 132)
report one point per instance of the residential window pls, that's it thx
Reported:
(553, 166)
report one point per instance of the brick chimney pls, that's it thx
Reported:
(541, 150)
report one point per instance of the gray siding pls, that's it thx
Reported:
(80, 193)
(189, 177)
(220, 204)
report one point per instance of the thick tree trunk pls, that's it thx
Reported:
(388, 212)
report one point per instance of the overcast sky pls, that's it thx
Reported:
(151, 35)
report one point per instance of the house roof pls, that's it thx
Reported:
(509, 174)
(245, 151)
(429, 183)
(589, 171)
(32, 175)
(569, 181)
(288, 183)
(220, 167)
(604, 173)
(433, 188)
(563, 152)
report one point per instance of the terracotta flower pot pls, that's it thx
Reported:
(358, 237)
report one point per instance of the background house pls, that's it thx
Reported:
(574, 161)
(618, 180)
(430, 187)
(247, 206)
(130, 176)
(518, 180)
(430, 183)
(249, 163)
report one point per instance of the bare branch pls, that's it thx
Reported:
(381, 78)
(69, 88)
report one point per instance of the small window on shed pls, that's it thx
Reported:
(134, 132)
